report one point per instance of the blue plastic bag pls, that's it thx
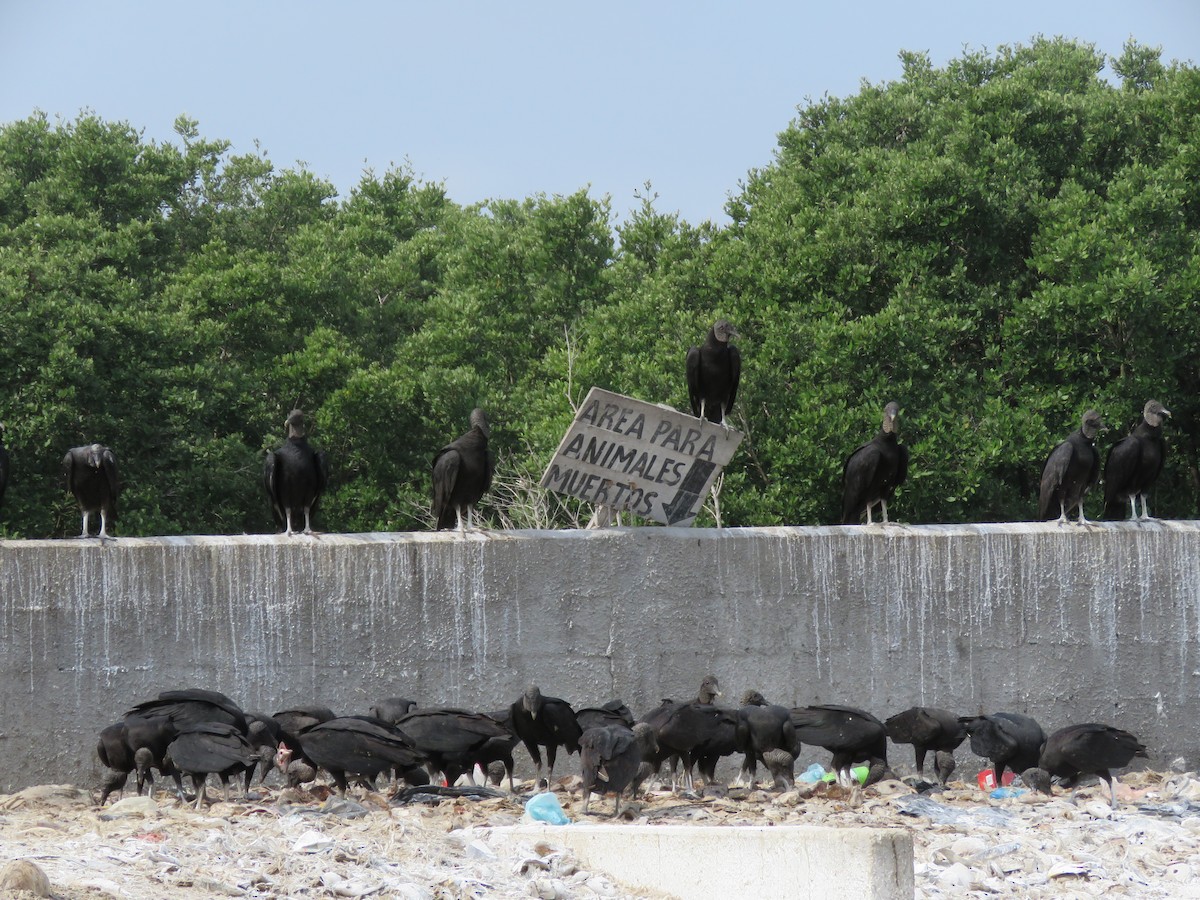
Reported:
(544, 807)
(813, 773)
(1003, 793)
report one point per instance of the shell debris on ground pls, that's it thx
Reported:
(289, 843)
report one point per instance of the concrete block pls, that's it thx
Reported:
(695, 862)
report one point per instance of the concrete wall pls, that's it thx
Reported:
(1066, 624)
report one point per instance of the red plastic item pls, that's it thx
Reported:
(987, 779)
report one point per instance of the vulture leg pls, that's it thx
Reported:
(287, 515)
(724, 417)
(1062, 514)
(616, 804)
(1133, 506)
(921, 751)
(883, 507)
(1112, 788)
(701, 409)
(1145, 508)
(103, 524)
(84, 533)
(308, 520)
(198, 783)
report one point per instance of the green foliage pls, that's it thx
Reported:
(998, 244)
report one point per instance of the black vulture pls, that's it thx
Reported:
(451, 739)
(713, 372)
(495, 756)
(929, 728)
(462, 473)
(264, 734)
(392, 708)
(872, 473)
(191, 706)
(546, 722)
(149, 739)
(92, 478)
(295, 771)
(610, 757)
(1134, 462)
(1088, 749)
(656, 718)
(614, 712)
(850, 734)
(5, 469)
(200, 749)
(298, 719)
(355, 745)
(114, 752)
(699, 732)
(762, 728)
(295, 476)
(1009, 740)
(1071, 470)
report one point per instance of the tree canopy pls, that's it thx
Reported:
(998, 245)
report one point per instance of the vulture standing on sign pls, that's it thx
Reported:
(874, 471)
(295, 475)
(91, 474)
(1134, 462)
(713, 371)
(1071, 470)
(462, 473)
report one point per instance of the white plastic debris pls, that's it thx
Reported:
(312, 842)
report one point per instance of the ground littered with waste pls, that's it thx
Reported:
(312, 843)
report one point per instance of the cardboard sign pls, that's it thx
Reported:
(631, 455)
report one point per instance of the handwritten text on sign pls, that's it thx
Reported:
(651, 460)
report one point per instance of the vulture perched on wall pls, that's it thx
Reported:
(92, 478)
(1071, 470)
(1134, 462)
(295, 476)
(462, 474)
(713, 372)
(874, 471)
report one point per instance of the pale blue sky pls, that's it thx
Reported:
(512, 99)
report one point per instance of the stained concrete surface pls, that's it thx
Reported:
(1065, 623)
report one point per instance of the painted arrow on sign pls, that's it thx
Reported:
(690, 491)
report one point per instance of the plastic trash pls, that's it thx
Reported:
(544, 807)
(813, 773)
(859, 772)
(1003, 793)
(987, 779)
